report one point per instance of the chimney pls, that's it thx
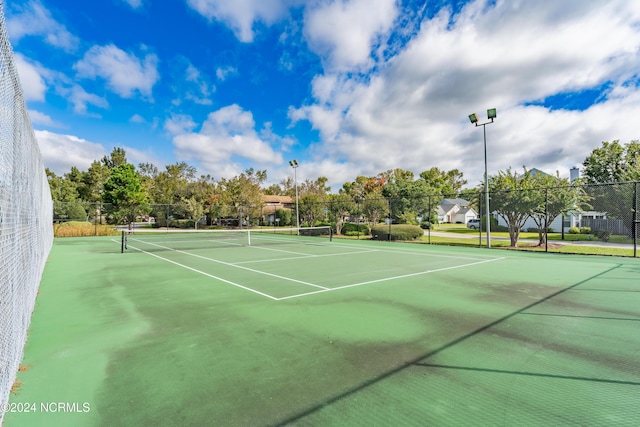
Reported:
(574, 173)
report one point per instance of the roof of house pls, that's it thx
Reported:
(466, 209)
(457, 201)
(269, 198)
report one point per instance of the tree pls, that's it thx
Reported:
(318, 187)
(66, 203)
(407, 196)
(444, 183)
(513, 199)
(117, 158)
(374, 208)
(311, 208)
(556, 196)
(243, 193)
(123, 190)
(613, 162)
(203, 192)
(340, 206)
(93, 181)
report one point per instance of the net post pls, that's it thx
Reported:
(331, 233)
(249, 236)
(122, 242)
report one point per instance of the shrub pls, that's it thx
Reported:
(585, 230)
(82, 229)
(398, 232)
(603, 235)
(574, 230)
(182, 223)
(352, 227)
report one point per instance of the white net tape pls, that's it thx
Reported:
(26, 212)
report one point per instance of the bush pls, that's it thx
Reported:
(352, 227)
(82, 229)
(284, 216)
(584, 230)
(575, 230)
(182, 223)
(398, 232)
(603, 235)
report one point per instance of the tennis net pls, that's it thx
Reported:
(153, 240)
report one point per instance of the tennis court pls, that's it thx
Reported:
(300, 330)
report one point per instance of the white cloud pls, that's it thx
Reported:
(240, 15)
(81, 99)
(137, 118)
(33, 85)
(197, 87)
(135, 4)
(179, 124)
(36, 79)
(124, 72)
(39, 118)
(33, 19)
(61, 152)
(343, 33)
(412, 112)
(226, 134)
(222, 73)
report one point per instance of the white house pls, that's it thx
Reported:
(455, 211)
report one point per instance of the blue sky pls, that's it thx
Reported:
(346, 87)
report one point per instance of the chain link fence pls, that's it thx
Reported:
(553, 219)
(25, 219)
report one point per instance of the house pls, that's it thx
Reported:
(455, 211)
(272, 204)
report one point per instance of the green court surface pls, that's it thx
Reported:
(308, 332)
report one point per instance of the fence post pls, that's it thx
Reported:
(480, 224)
(430, 225)
(389, 235)
(546, 219)
(635, 219)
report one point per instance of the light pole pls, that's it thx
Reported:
(491, 114)
(294, 164)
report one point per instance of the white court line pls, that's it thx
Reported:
(389, 278)
(388, 250)
(411, 252)
(233, 265)
(414, 252)
(323, 289)
(206, 274)
(279, 250)
(302, 257)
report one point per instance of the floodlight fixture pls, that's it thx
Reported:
(491, 113)
(293, 163)
(473, 118)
